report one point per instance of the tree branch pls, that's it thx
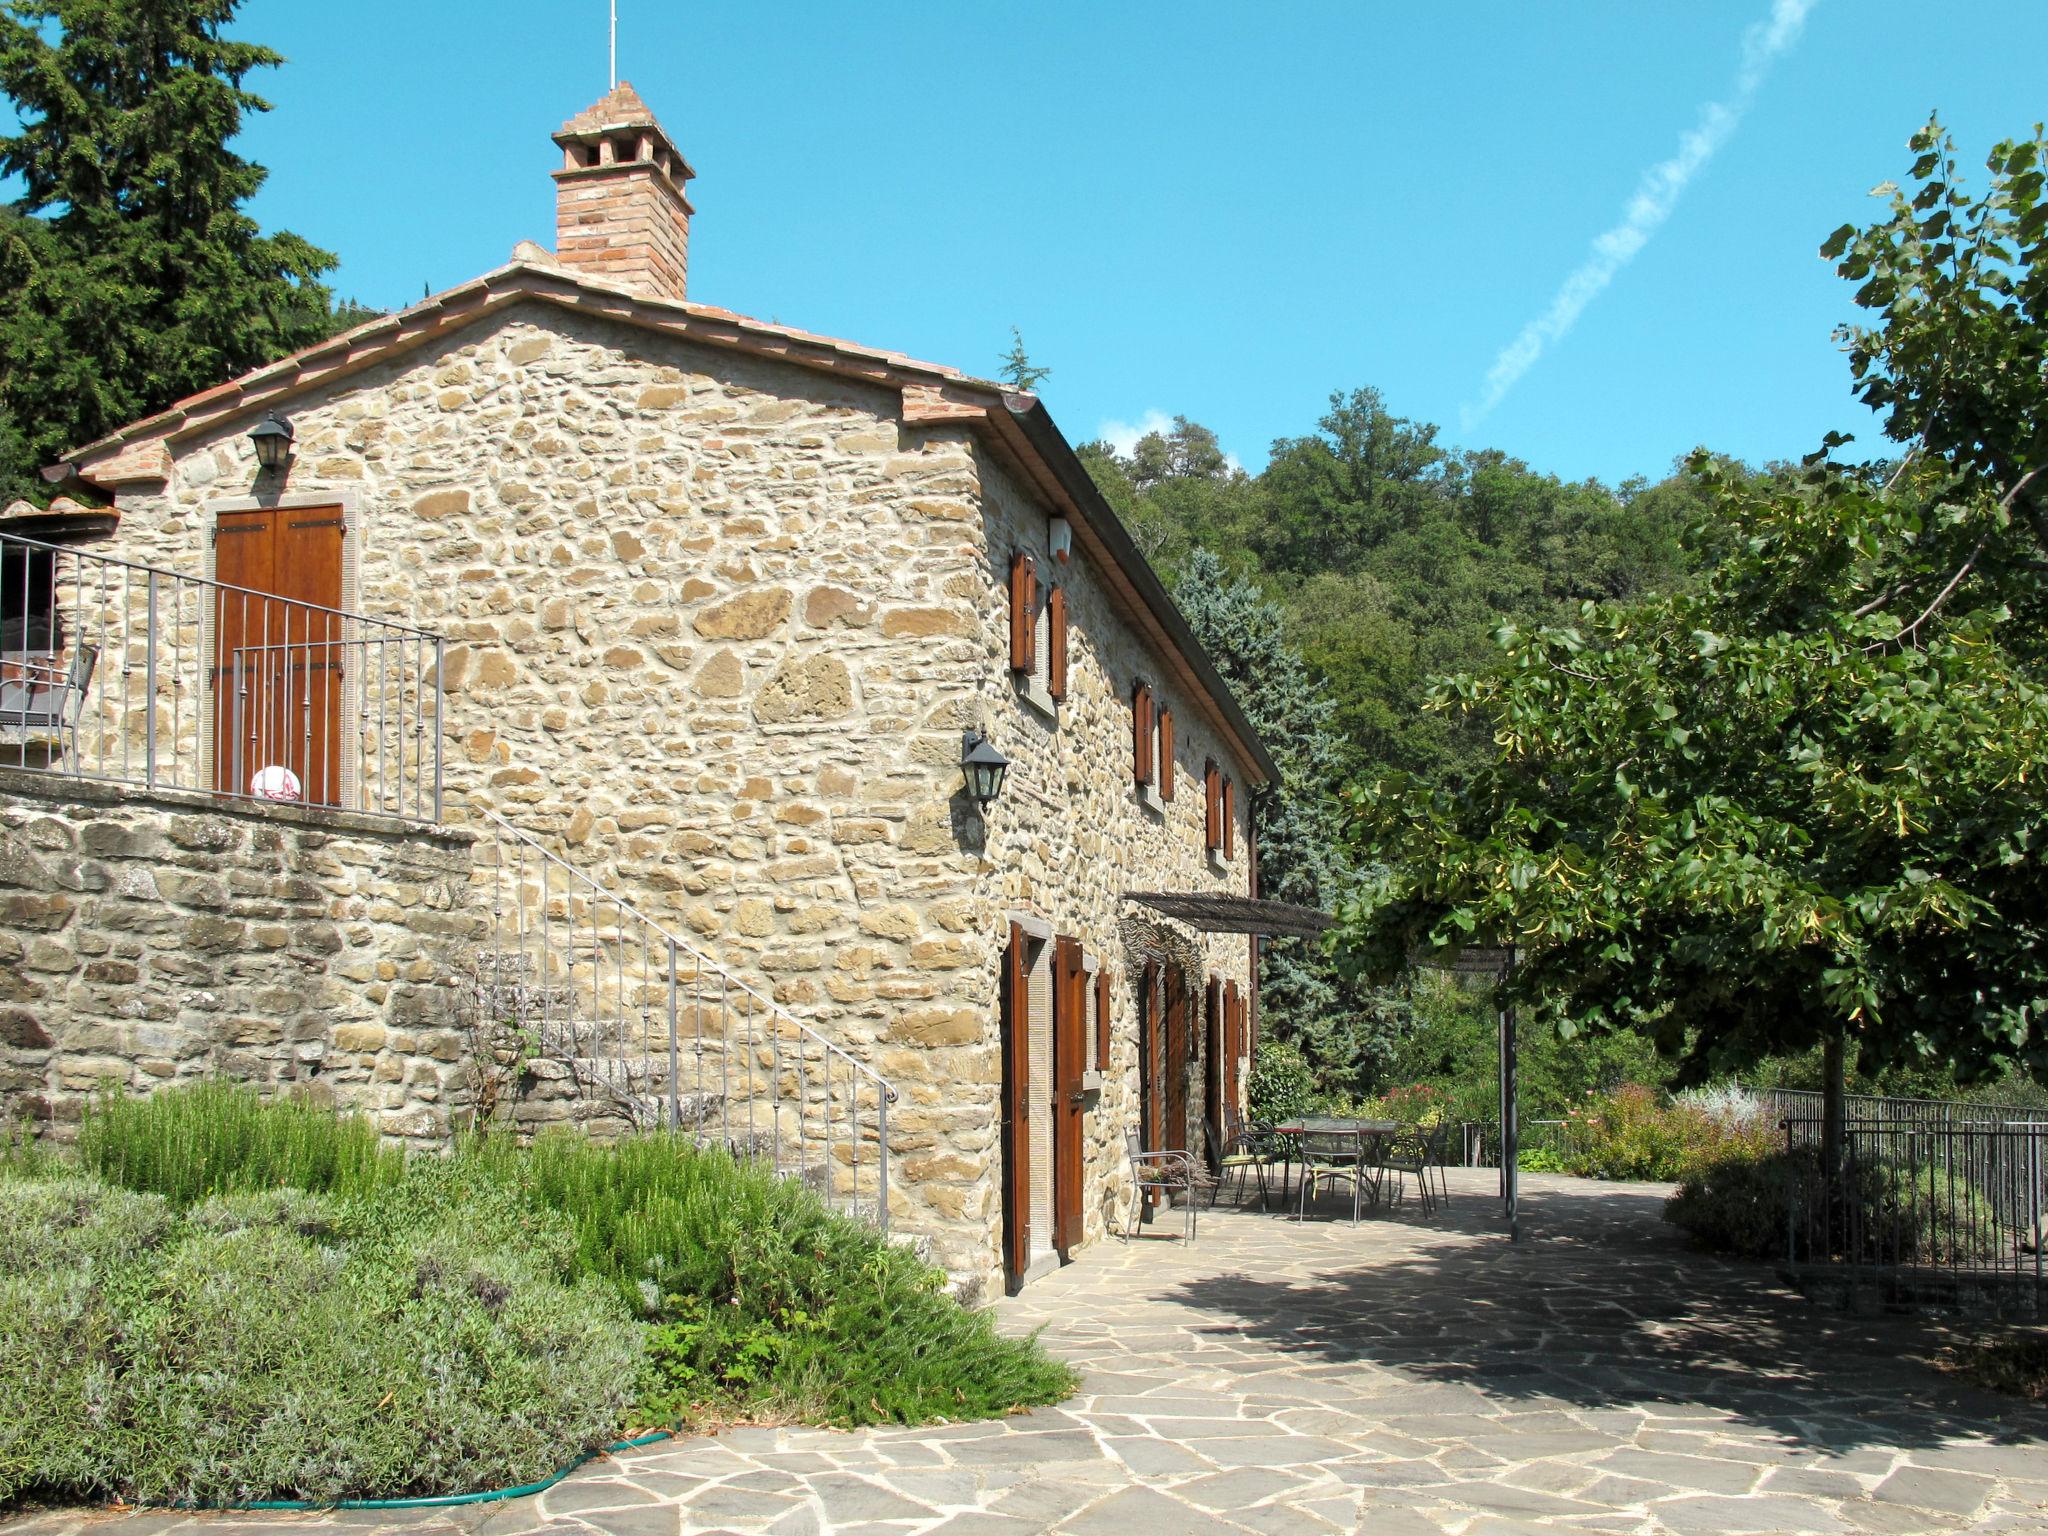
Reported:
(1940, 599)
(1948, 590)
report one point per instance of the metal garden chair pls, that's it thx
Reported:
(1329, 1158)
(1247, 1153)
(1168, 1172)
(43, 705)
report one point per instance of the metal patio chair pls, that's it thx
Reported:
(43, 704)
(1247, 1153)
(1422, 1154)
(1168, 1172)
(1329, 1158)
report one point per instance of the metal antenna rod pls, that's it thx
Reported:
(615, 44)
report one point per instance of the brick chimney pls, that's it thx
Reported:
(620, 212)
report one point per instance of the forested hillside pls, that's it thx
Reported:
(1366, 558)
(1393, 557)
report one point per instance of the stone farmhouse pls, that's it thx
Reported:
(705, 609)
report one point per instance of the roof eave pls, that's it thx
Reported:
(1053, 450)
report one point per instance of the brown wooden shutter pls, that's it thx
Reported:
(1233, 1041)
(1166, 754)
(1069, 1061)
(1056, 642)
(1229, 821)
(1151, 1074)
(1212, 797)
(1016, 1107)
(1141, 733)
(1102, 1019)
(1023, 613)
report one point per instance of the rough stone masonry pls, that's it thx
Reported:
(157, 938)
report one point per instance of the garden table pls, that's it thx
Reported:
(1369, 1136)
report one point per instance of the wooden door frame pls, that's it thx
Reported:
(1015, 1108)
(1214, 1031)
(348, 503)
(1069, 1062)
(1175, 1136)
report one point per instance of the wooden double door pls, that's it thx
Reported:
(281, 657)
(1163, 1057)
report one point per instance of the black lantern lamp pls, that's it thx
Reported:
(273, 439)
(983, 767)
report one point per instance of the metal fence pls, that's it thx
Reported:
(1783, 1104)
(1916, 1200)
(132, 674)
(588, 1000)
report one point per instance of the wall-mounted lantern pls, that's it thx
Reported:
(983, 767)
(273, 439)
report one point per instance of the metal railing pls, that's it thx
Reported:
(132, 674)
(1917, 1200)
(599, 1005)
(1783, 1104)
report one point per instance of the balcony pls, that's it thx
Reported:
(131, 674)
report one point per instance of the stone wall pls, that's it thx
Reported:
(716, 622)
(152, 939)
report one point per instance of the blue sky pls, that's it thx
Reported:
(1222, 210)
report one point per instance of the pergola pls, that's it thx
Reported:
(1208, 913)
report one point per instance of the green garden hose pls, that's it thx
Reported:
(440, 1500)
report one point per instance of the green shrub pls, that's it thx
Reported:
(1771, 1207)
(257, 1349)
(50, 1224)
(217, 1138)
(765, 1303)
(390, 1328)
(1740, 1206)
(1282, 1087)
(1630, 1133)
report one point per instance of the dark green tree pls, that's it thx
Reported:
(1345, 1030)
(130, 274)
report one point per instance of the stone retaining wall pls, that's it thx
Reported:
(153, 938)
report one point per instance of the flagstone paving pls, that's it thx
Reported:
(1408, 1376)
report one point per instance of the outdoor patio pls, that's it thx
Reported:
(1405, 1375)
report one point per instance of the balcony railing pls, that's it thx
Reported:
(131, 674)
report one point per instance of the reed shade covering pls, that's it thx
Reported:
(1234, 914)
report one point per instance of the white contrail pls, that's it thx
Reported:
(1655, 196)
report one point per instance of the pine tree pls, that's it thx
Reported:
(1346, 1031)
(1017, 370)
(129, 273)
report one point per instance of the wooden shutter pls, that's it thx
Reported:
(1151, 1074)
(1212, 796)
(1102, 1019)
(1016, 1107)
(1141, 733)
(1023, 613)
(1229, 821)
(1233, 1041)
(1056, 642)
(1069, 1061)
(1166, 754)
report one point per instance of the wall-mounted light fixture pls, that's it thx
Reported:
(272, 437)
(983, 767)
(1060, 535)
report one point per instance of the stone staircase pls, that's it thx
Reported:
(587, 1012)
